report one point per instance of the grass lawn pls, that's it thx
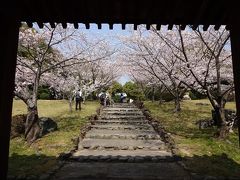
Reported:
(41, 156)
(201, 152)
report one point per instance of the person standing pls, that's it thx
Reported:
(78, 99)
(121, 98)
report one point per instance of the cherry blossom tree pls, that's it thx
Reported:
(90, 77)
(206, 61)
(40, 56)
(149, 56)
(197, 60)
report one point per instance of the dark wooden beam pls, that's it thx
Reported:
(111, 26)
(123, 26)
(227, 27)
(135, 26)
(183, 26)
(8, 53)
(170, 26)
(194, 27)
(99, 25)
(217, 26)
(30, 24)
(148, 26)
(200, 14)
(235, 46)
(40, 25)
(158, 27)
(205, 27)
(64, 25)
(52, 24)
(87, 25)
(75, 25)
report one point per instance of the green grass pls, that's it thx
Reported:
(202, 152)
(43, 153)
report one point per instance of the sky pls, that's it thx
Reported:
(110, 35)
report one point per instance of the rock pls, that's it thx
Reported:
(101, 148)
(154, 159)
(195, 176)
(47, 125)
(18, 125)
(64, 156)
(114, 158)
(210, 178)
(154, 148)
(103, 158)
(130, 160)
(204, 123)
(93, 158)
(139, 159)
(186, 97)
(22, 176)
(11, 177)
(130, 148)
(31, 177)
(123, 158)
(75, 140)
(44, 177)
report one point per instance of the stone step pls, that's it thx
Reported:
(121, 144)
(122, 171)
(112, 126)
(122, 117)
(122, 120)
(128, 113)
(121, 109)
(86, 155)
(125, 131)
(122, 106)
(126, 122)
(122, 134)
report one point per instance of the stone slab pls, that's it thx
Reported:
(124, 144)
(143, 153)
(117, 171)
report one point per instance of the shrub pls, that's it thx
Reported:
(44, 96)
(167, 96)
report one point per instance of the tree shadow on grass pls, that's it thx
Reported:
(213, 165)
(30, 165)
(33, 166)
(70, 123)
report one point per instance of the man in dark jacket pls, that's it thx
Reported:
(78, 99)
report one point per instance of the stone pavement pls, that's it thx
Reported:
(122, 144)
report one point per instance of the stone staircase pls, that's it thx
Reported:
(122, 134)
(121, 145)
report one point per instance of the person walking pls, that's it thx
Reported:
(78, 98)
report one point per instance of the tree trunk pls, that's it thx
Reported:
(160, 100)
(153, 94)
(84, 99)
(177, 104)
(218, 117)
(223, 132)
(223, 129)
(32, 128)
(70, 103)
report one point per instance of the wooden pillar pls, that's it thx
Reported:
(235, 46)
(8, 51)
